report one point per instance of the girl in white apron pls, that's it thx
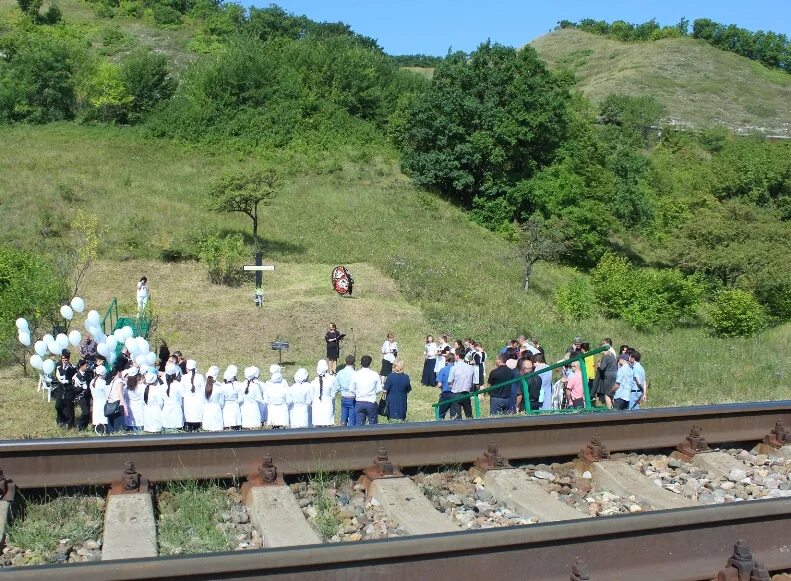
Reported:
(276, 399)
(214, 400)
(99, 391)
(133, 400)
(251, 413)
(172, 410)
(300, 396)
(323, 396)
(153, 397)
(193, 387)
(231, 414)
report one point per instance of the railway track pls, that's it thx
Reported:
(452, 492)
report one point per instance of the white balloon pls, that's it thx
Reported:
(66, 312)
(36, 362)
(128, 332)
(130, 345)
(63, 341)
(111, 357)
(75, 338)
(24, 338)
(48, 366)
(93, 317)
(54, 348)
(140, 360)
(102, 350)
(142, 345)
(119, 335)
(151, 358)
(40, 348)
(21, 324)
(99, 336)
(48, 339)
(111, 342)
(77, 304)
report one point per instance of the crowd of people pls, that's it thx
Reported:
(521, 372)
(176, 396)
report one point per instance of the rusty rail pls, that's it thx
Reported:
(687, 544)
(66, 462)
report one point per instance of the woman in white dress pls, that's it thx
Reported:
(115, 393)
(142, 294)
(213, 402)
(251, 413)
(231, 414)
(173, 409)
(193, 394)
(133, 400)
(99, 392)
(323, 396)
(153, 396)
(276, 399)
(300, 395)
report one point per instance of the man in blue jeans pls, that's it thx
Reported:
(366, 385)
(444, 386)
(500, 398)
(344, 381)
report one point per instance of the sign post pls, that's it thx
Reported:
(259, 269)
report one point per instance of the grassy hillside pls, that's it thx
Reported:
(421, 267)
(699, 84)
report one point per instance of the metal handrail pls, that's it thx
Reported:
(112, 309)
(523, 379)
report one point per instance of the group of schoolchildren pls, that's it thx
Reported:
(142, 398)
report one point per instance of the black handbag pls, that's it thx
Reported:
(112, 409)
(383, 409)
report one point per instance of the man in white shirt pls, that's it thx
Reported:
(366, 386)
(460, 381)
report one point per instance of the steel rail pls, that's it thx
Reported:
(92, 461)
(689, 544)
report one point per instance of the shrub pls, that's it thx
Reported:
(773, 290)
(166, 16)
(613, 284)
(224, 258)
(662, 299)
(148, 81)
(737, 313)
(575, 299)
(103, 95)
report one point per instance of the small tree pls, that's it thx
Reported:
(539, 239)
(244, 191)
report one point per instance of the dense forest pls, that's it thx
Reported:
(668, 223)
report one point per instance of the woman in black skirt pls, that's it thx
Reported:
(430, 353)
(333, 339)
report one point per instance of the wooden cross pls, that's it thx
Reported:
(259, 269)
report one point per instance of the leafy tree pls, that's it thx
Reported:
(662, 299)
(634, 116)
(29, 288)
(148, 82)
(103, 94)
(729, 241)
(487, 121)
(243, 192)
(38, 78)
(539, 239)
(736, 313)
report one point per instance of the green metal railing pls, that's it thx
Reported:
(112, 316)
(523, 378)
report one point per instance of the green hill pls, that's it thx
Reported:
(700, 85)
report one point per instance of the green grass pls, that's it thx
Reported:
(421, 267)
(47, 520)
(328, 520)
(697, 83)
(188, 513)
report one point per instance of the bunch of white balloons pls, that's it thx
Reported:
(138, 347)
